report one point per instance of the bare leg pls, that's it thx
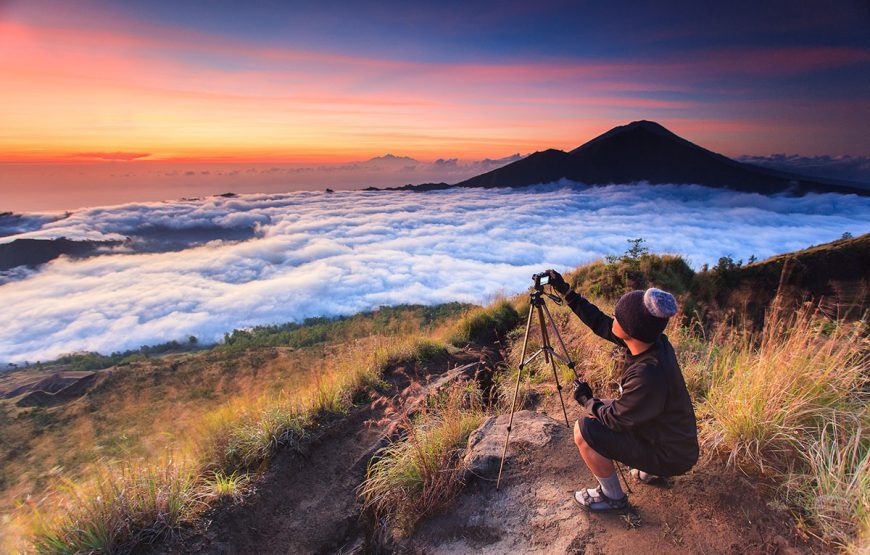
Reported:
(601, 466)
(612, 497)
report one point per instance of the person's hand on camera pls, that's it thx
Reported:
(582, 392)
(558, 282)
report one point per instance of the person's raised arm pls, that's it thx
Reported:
(600, 323)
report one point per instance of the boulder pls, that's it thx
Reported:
(530, 429)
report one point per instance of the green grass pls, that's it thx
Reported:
(228, 486)
(484, 324)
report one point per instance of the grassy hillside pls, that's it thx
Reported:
(833, 274)
(160, 436)
(149, 405)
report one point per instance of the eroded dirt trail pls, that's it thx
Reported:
(307, 502)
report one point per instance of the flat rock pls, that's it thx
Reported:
(530, 429)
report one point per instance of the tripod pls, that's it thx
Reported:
(537, 305)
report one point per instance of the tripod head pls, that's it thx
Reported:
(538, 283)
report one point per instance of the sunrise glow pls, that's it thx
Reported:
(96, 82)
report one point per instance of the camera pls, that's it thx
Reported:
(540, 280)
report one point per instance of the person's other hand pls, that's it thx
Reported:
(582, 392)
(558, 282)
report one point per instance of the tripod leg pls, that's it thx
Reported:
(544, 341)
(547, 345)
(561, 343)
(516, 394)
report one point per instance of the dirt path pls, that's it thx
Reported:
(707, 511)
(307, 503)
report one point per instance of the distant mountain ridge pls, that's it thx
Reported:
(646, 151)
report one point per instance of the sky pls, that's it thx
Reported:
(266, 259)
(101, 89)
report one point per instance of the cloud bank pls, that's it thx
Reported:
(847, 168)
(336, 254)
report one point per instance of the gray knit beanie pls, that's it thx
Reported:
(645, 314)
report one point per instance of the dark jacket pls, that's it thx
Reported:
(654, 403)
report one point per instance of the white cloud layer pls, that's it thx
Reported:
(849, 168)
(337, 254)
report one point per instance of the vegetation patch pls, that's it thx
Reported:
(484, 324)
(420, 473)
(124, 505)
(791, 403)
(134, 501)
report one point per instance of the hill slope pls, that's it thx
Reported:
(328, 428)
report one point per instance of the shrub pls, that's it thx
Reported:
(610, 280)
(428, 350)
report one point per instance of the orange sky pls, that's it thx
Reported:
(90, 84)
(80, 92)
(102, 85)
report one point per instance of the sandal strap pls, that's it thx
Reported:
(600, 497)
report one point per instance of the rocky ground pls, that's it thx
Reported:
(708, 511)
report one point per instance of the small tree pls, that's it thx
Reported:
(636, 249)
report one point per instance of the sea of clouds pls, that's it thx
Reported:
(317, 253)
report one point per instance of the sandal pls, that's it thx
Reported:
(594, 501)
(649, 479)
(642, 477)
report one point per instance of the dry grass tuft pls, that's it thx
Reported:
(420, 473)
(123, 506)
(770, 396)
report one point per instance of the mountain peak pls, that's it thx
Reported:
(640, 127)
(644, 124)
(646, 151)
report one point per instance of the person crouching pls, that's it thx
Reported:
(651, 426)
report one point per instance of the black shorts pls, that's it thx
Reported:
(624, 447)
